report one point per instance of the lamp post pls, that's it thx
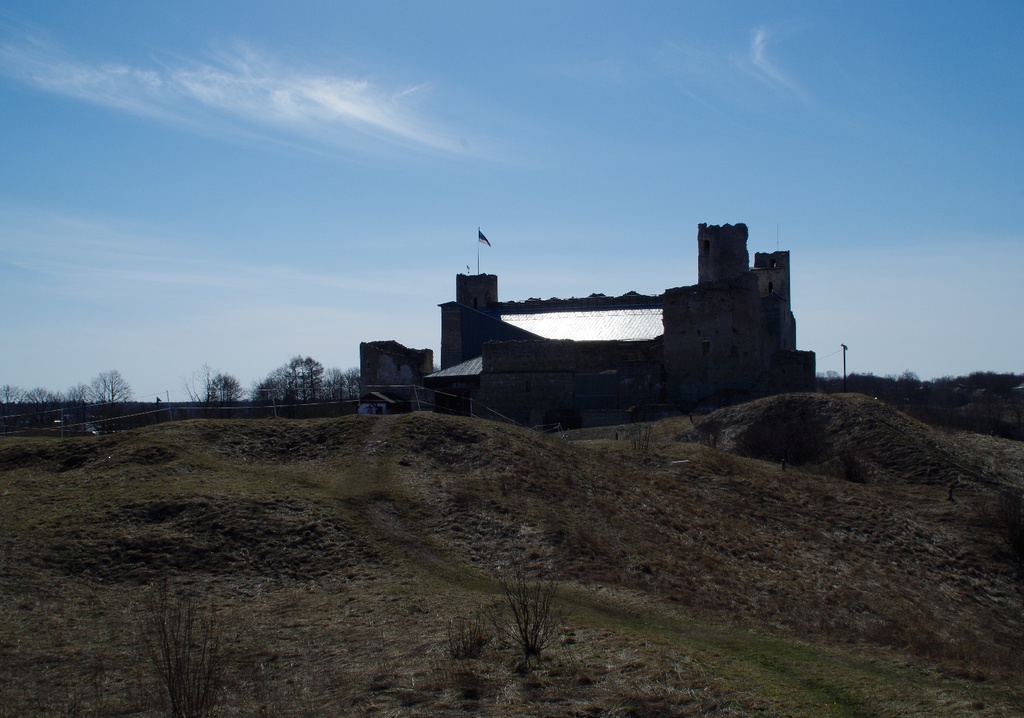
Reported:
(844, 366)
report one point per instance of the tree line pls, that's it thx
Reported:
(983, 401)
(108, 402)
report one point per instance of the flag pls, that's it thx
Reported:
(483, 239)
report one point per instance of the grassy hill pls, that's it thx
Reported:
(336, 560)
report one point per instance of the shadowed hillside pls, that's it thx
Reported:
(339, 558)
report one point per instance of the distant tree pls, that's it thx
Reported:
(200, 388)
(208, 389)
(300, 381)
(109, 387)
(42, 404)
(908, 386)
(829, 382)
(10, 403)
(272, 387)
(353, 381)
(341, 385)
(1016, 404)
(227, 388)
(109, 392)
(306, 379)
(74, 405)
(334, 384)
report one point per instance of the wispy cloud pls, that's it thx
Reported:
(238, 91)
(726, 73)
(764, 66)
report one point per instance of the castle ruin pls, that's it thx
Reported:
(605, 360)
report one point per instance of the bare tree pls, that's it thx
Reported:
(42, 404)
(110, 392)
(1016, 404)
(340, 385)
(74, 404)
(306, 377)
(299, 381)
(227, 388)
(10, 401)
(200, 388)
(109, 387)
(208, 389)
(352, 378)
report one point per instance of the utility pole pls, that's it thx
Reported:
(844, 366)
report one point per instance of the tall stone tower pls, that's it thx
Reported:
(476, 290)
(721, 252)
(473, 293)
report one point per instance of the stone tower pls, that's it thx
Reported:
(721, 252)
(476, 290)
(772, 270)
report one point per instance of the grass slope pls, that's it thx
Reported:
(336, 554)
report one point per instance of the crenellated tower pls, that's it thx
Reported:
(721, 252)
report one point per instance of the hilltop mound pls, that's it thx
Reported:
(843, 429)
(402, 523)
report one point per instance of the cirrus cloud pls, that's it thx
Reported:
(239, 92)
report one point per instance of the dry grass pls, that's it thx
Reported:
(338, 555)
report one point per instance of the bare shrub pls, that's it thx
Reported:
(183, 640)
(527, 615)
(640, 437)
(467, 637)
(852, 466)
(709, 431)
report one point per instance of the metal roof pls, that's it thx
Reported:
(629, 325)
(466, 368)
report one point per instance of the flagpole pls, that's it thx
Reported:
(478, 250)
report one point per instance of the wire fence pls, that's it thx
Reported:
(84, 419)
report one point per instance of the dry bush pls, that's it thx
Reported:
(183, 640)
(640, 437)
(527, 615)
(709, 431)
(852, 467)
(467, 637)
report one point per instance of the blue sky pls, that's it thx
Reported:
(232, 184)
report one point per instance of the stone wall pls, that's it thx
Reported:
(729, 337)
(721, 252)
(393, 369)
(772, 272)
(530, 380)
(712, 338)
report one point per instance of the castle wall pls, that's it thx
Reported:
(772, 272)
(532, 381)
(389, 367)
(476, 290)
(729, 337)
(712, 338)
(721, 252)
(523, 380)
(451, 335)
